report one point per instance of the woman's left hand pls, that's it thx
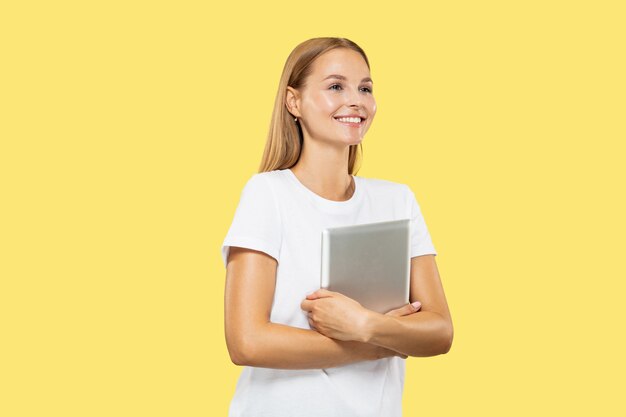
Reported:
(336, 315)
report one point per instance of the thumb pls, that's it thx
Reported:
(405, 310)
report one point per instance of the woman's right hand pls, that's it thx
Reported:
(405, 310)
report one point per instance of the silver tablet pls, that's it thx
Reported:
(369, 262)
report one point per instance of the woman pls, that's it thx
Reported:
(309, 351)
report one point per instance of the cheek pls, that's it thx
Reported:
(321, 104)
(373, 105)
(329, 102)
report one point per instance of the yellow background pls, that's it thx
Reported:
(128, 130)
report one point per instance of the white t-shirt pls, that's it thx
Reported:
(278, 215)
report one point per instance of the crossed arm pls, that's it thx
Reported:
(342, 330)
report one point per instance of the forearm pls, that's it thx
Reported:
(424, 333)
(280, 346)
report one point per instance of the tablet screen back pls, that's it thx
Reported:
(369, 263)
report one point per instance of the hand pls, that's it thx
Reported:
(405, 310)
(336, 315)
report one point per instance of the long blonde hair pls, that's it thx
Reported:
(284, 140)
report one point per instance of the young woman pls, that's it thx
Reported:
(308, 351)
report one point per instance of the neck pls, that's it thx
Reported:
(324, 170)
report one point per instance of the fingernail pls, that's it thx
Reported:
(416, 304)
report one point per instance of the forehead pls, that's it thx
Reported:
(342, 61)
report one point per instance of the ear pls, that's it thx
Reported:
(292, 101)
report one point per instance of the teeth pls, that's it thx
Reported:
(350, 119)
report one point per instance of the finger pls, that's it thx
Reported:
(321, 293)
(315, 295)
(306, 305)
(405, 310)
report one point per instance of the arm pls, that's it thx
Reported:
(254, 341)
(428, 332)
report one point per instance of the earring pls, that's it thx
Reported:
(295, 119)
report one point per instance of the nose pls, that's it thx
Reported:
(355, 98)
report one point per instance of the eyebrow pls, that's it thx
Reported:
(341, 77)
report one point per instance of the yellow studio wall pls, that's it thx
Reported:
(128, 130)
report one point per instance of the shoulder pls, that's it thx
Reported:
(263, 189)
(263, 180)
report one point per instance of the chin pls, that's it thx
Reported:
(355, 141)
(346, 141)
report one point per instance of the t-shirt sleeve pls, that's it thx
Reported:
(421, 243)
(257, 222)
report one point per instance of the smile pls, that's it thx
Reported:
(350, 121)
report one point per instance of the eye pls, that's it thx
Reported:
(334, 85)
(367, 89)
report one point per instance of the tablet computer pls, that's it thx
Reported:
(369, 263)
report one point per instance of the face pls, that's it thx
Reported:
(336, 104)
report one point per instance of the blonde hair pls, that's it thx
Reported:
(284, 140)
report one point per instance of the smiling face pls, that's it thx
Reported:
(336, 104)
